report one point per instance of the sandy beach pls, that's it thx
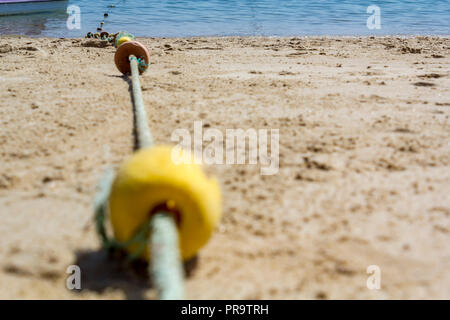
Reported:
(363, 176)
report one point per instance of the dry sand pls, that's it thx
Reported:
(364, 173)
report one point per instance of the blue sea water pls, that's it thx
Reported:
(181, 18)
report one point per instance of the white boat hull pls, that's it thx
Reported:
(14, 8)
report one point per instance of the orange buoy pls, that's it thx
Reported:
(121, 58)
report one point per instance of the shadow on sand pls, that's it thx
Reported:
(101, 271)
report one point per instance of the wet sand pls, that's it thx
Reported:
(363, 180)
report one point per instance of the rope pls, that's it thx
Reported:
(100, 210)
(161, 231)
(100, 203)
(165, 263)
(144, 137)
(164, 252)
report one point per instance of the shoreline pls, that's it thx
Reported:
(402, 36)
(363, 175)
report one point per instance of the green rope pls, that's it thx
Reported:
(161, 231)
(164, 251)
(165, 263)
(100, 204)
(142, 65)
(144, 136)
(100, 210)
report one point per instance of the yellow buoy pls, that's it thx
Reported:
(122, 40)
(155, 178)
